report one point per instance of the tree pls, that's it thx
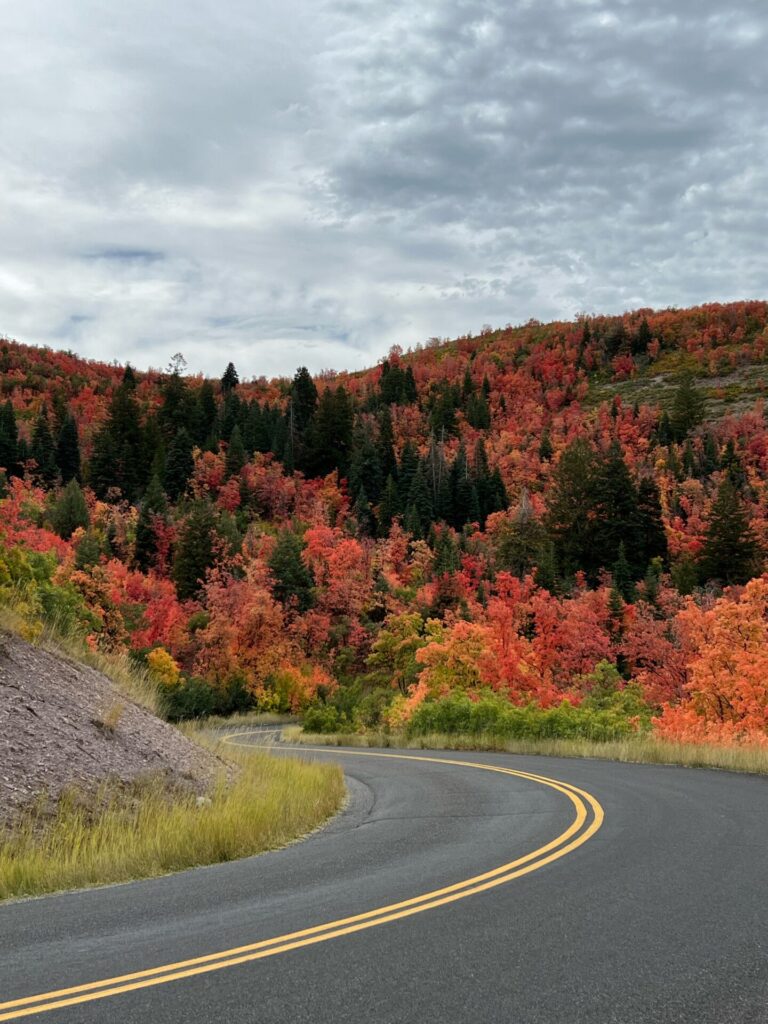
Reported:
(236, 454)
(570, 507)
(230, 380)
(179, 465)
(195, 550)
(615, 515)
(303, 398)
(70, 512)
(9, 439)
(730, 554)
(293, 580)
(68, 451)
(43, 451)
(651, 539)
(687, 408)
(153, 505)
(118, 458)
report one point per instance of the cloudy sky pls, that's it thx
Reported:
(311, 181)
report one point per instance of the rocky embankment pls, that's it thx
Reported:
(63, 724)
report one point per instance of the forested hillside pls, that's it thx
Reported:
(568, 518)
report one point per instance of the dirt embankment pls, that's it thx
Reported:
(63, 724)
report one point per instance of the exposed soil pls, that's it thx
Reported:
(63, 724)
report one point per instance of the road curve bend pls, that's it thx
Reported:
(454, 887)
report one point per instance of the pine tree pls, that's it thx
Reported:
(70, 512)
(236, 454)
(43, 451)
(570, 509)
(68, 451)
(623, 576)
(179, 465)
(293, 581)
(419, 507)
(616, 514)
(730, 554)
(194, 550)
(546, 451)
(230, 380)
(651, 541)
(389, 507)
(409, 462)
(153, 505)
(363, 513)
(410, 393)
(118, 458)
(687, 408)
(206, 413)
(642, 339)
(9, 440)
(303, 398)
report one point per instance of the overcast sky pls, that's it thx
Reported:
(285, 182)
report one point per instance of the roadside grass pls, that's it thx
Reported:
(149, 829)
(192, 726)
(636, 749)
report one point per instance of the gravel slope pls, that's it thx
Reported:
(52, 732)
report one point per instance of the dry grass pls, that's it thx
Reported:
(150, 830)
(639, 750)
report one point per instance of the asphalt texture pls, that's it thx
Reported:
(662, 915)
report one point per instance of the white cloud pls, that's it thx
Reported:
(289, 183)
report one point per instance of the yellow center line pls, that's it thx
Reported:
(570, 839)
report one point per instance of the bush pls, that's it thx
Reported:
(492, 715)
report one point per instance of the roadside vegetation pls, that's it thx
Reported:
(149, 829)
(643, 749)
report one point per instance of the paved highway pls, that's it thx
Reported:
(549, 891)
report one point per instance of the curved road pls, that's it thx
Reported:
(444, 893)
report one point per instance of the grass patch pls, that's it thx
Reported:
(635, 749)
(192, 726)
(121, 834)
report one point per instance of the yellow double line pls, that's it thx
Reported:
(588, 819)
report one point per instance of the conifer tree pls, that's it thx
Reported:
(236, 454)
(195, 550)
(230, 380)
(651, 543)
(153, 504)
(43, 450)
(293, 581)
(9, 440)
(616, 514)
(68, 451)
(730, 554)
(687, 408)
(70, 511)
(179, 465)
(570, 509)
(389, 507)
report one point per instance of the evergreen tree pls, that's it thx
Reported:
(410, 393)
(570, 509)
(623, 576)
(409, 461)
(520, 543)
(68, 451)
(293, 581)
(389, 507)
(207, 413)
(9, 440)
(651, 540)
(419, 512)
(303, 398)
(195, 550)
(642, 338)
(43, 451)
(230, 380)
(179, 465)
(664, 430)
(687, 408)
(118, 458)
(710, 457)
(447, 557)
(546, 451)
(616, 514)
(363, 513)
(732, 465)
(386, 444)
(153, 505)
(179, 409)
(730, 554)
(70, 512)
(236, 455)
(365, 471)
(87, 551)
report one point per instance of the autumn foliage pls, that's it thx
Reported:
(519, 520)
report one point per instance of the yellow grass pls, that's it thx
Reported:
(150, 830)
(639, 749)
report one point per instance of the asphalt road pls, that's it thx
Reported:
(660, 913)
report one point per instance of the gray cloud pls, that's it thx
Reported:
(288, 182)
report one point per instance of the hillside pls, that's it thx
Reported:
(65, 725)
(574, 511)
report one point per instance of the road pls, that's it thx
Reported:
(474, 895)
